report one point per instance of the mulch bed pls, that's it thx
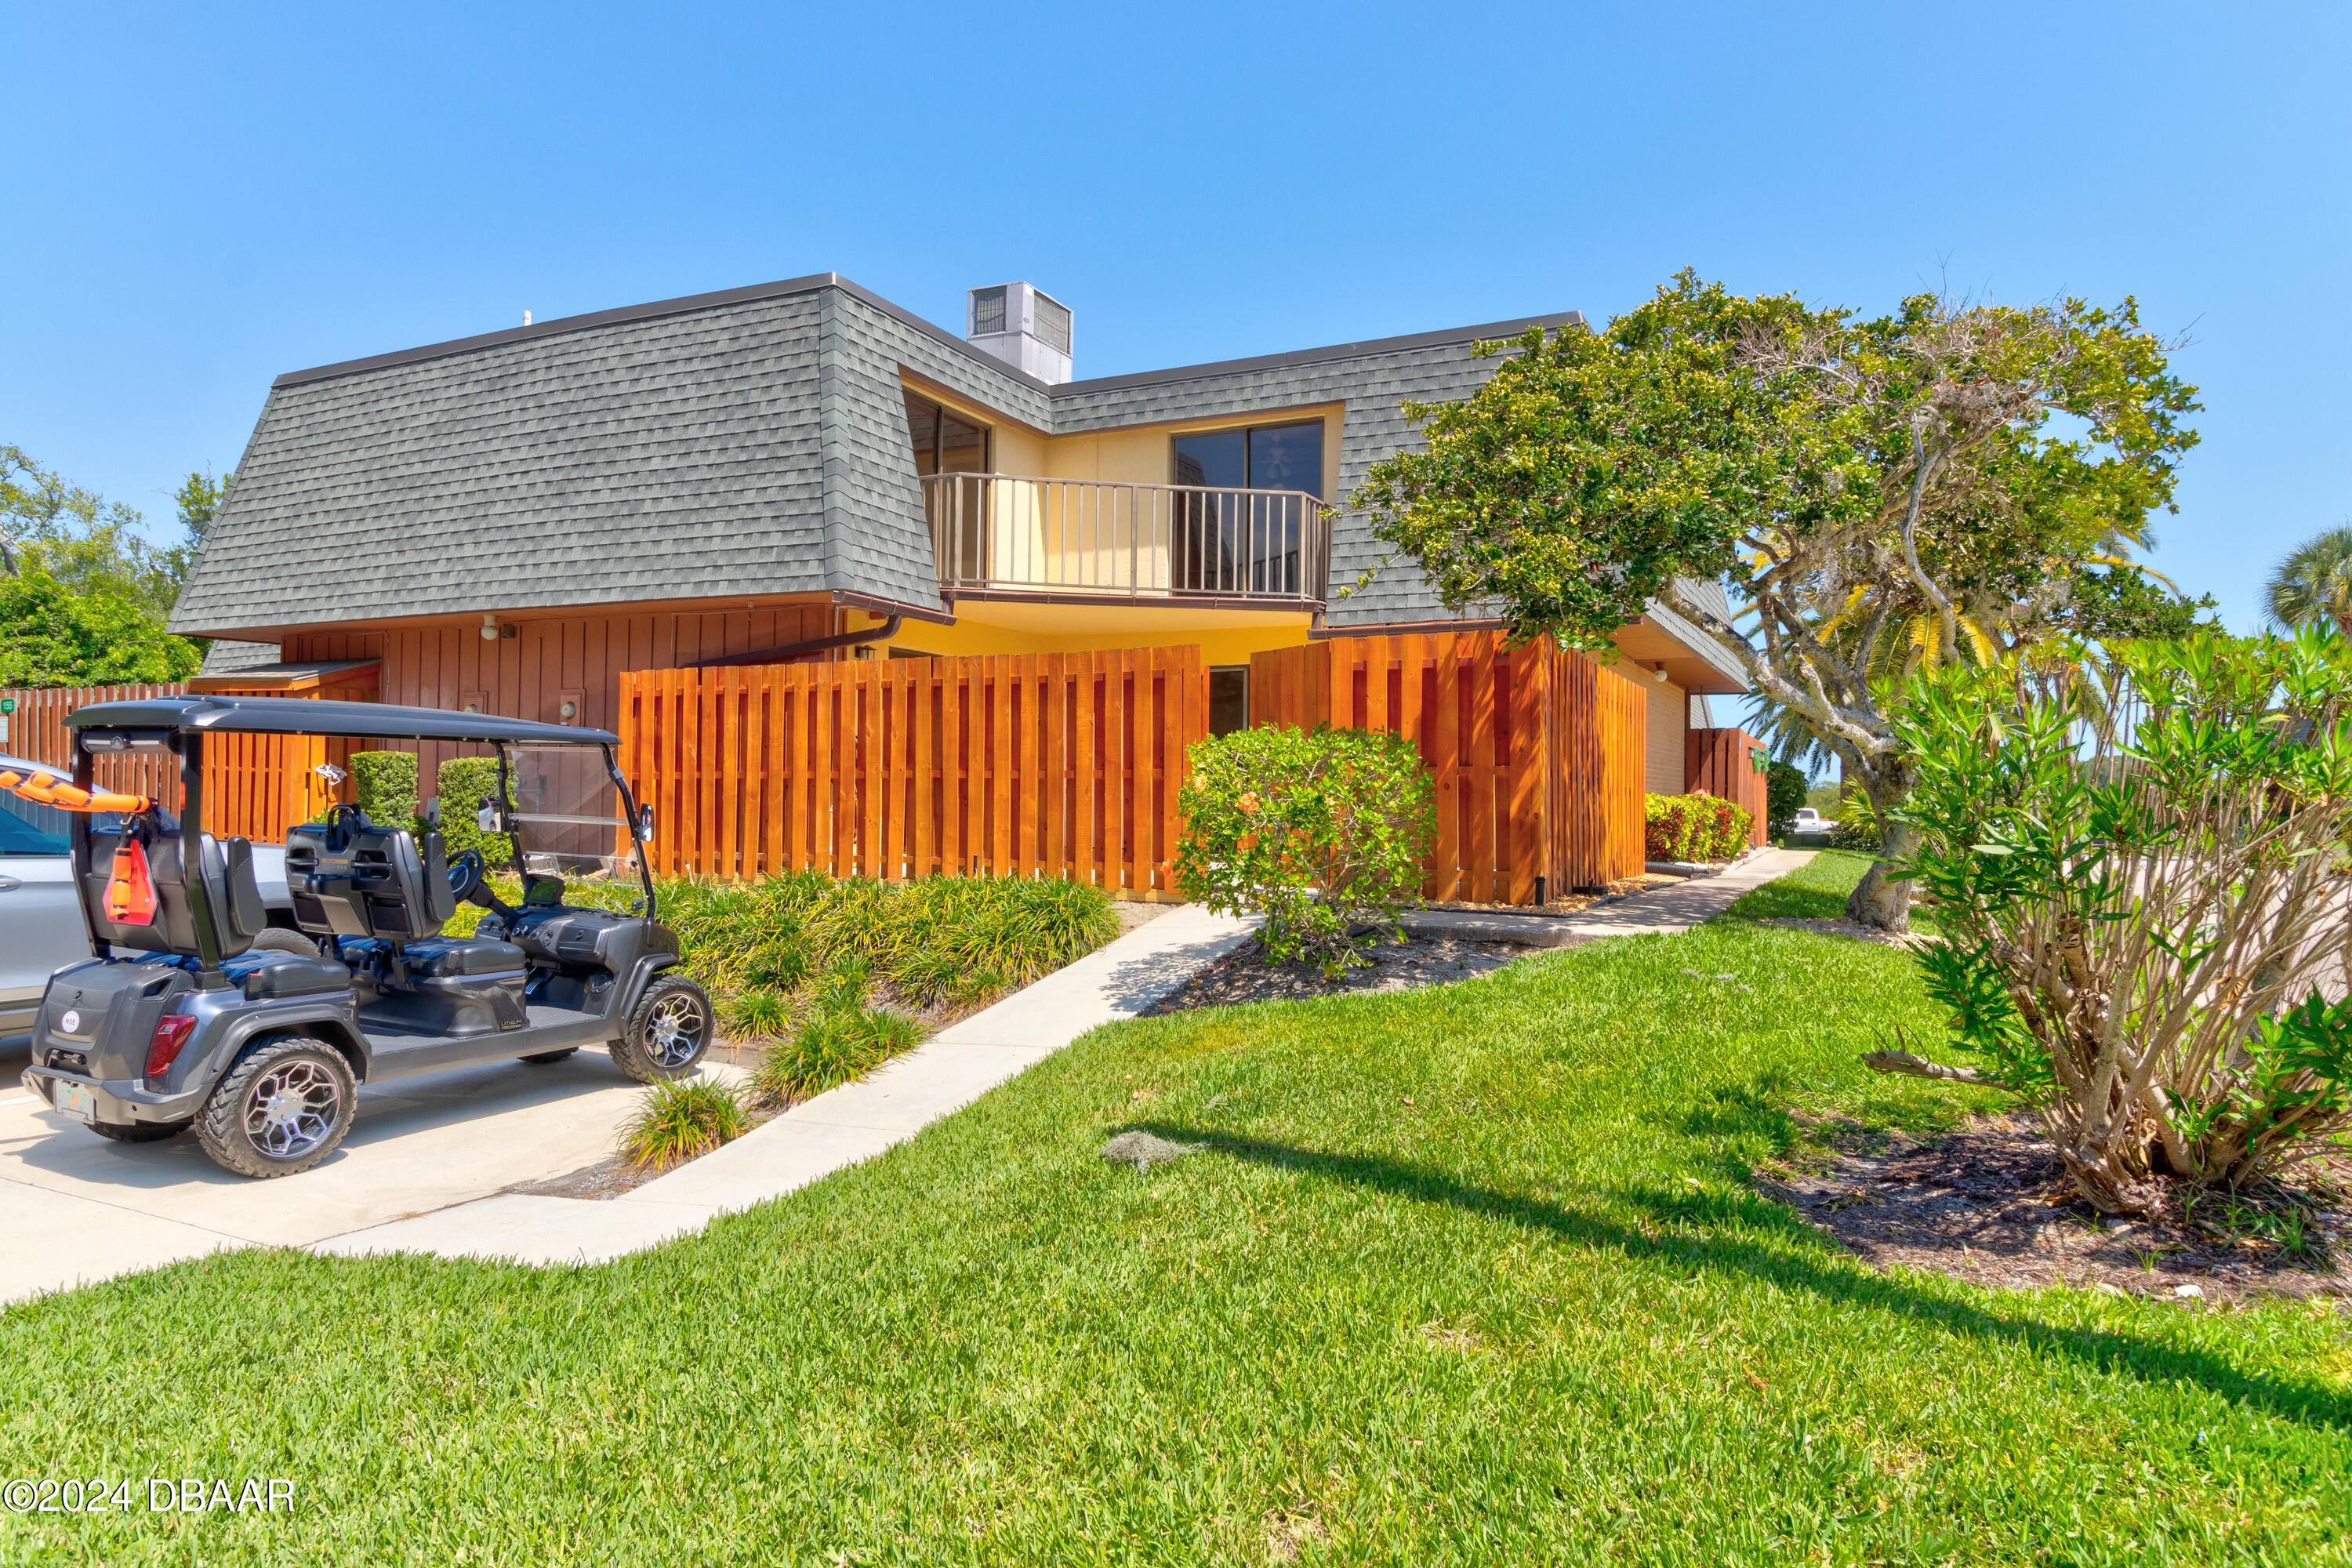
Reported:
(1991, 1204)
(1243, 975)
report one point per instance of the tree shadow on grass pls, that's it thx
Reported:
(1827, 1274)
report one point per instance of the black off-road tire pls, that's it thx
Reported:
(278, 939)
(668, 1031)
(566, 1054)
(140, 1131)
(226, 1124)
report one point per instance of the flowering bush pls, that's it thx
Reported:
(1692, 827)
(1320, 832)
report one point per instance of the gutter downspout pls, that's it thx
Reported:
(791, 650)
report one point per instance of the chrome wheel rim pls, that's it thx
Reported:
(674, 1033)
(292, 1109)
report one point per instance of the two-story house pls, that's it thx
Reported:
(803, 469)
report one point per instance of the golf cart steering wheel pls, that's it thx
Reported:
(466, 874)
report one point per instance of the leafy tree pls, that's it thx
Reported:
(84, 592)
(1785, 788)
(1882, 494)
(56, 637)
(2313, 587)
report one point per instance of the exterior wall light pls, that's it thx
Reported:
(489, 628)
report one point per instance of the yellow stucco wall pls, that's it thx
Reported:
(1669, 727)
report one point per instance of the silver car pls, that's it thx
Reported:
(41, 928)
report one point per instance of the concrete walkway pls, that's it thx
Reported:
(1659, 911)
(423, 1169)
(839, 1127)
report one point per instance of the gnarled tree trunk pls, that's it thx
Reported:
(1882, 901)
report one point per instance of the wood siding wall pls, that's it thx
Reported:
(1721, 764)
(531, 675)
(1029, 765)
(1537, 754)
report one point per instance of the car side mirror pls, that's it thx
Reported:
(645, 823)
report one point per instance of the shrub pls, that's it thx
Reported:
(1693, 827)
(1319, 831)
(1668, 825)
(464, 783)
(835, 1043)
(383, 786)
(678, 1121)
(1785, 789)
(2137, 919)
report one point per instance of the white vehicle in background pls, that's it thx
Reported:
(41, 928)
(1812, 821)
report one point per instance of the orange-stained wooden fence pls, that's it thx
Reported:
(1723, 763)
(255, 787)
(1061, 764)
(36, 731)
(1537, 753)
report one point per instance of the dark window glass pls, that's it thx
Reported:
(1219, 457)
(29, 827)
(963, 447)
(1228, 698)
(943, 442)
(1288, 458)
(923, 430)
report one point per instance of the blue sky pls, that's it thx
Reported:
(206, 196)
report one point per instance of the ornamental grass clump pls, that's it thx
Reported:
(1322, 832)
(682, 1120)
(2143, 916)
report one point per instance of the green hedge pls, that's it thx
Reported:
(383, 783)
(464, 783)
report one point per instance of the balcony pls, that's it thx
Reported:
(1003, 534)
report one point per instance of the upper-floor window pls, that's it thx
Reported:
(945, 442)
(1269, 458)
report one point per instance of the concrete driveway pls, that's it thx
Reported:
(75, 1207)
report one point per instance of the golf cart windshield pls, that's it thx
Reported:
(564, 813)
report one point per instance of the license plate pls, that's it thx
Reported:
(76, 1100)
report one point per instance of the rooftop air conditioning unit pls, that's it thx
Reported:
(1024, 327)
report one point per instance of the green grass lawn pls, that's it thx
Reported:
(1467, 1275)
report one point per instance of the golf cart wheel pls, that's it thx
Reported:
(546, 1057)
(140, 1131)
(283, 1107)
(669, 1029)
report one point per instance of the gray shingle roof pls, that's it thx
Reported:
(751, 441)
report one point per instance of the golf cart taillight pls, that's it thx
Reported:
(171, 1036)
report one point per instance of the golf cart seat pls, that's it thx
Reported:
(228, 883)
(349, 877)
(437, 958)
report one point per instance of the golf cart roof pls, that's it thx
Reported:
(306, 716)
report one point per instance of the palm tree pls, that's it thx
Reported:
(2313, 587)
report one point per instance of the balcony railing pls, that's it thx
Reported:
(1008, 533)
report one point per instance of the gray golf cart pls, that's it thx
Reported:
(196, 1012)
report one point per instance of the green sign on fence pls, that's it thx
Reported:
(7, 705)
